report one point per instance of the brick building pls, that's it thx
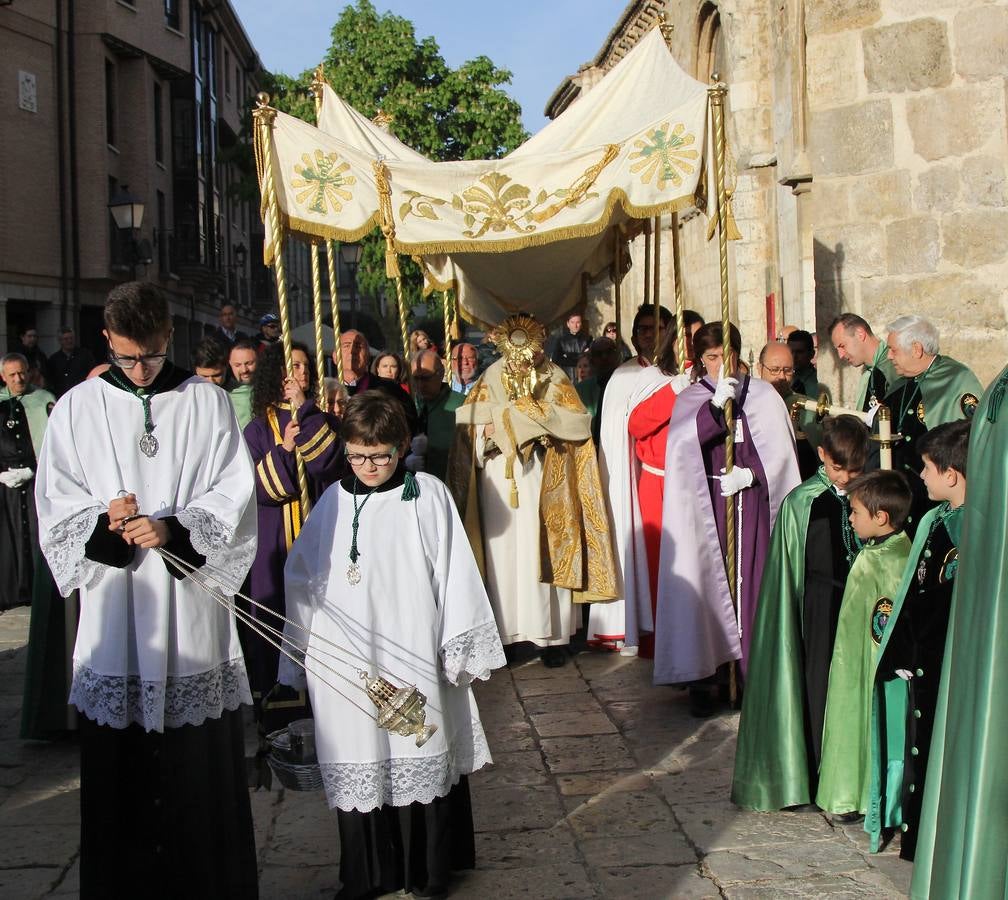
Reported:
(107, 96)
(870, 143)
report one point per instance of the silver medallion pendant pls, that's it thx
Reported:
(353, 573)
(149, 445)
(922, 571)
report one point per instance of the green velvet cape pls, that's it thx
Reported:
(241, 400)
(771, 759)
(962, 850)
(843, 774)
(949, 391)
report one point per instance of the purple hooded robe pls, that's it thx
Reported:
(696, 628)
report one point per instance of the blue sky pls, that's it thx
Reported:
(540, 41)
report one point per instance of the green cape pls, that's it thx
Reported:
(38, 404)
(949, 391)
(890, 702)
(962, 850)
(881, 362)
(771, 759)
(589, 392)
(843, 773)
(440, 429)
(241, 400)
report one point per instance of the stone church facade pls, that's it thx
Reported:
(870, 146)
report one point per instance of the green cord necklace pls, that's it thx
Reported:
(353, 574)
(148, 443)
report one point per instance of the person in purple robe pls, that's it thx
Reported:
(275, 442)
(700, 625)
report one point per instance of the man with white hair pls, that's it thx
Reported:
(937, 389)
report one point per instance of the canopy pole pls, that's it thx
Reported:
(316, 277)
(387, 224)
(657, 285)
(617, 267)
(716, 95)
(334, 304)
(264, 119)
(678, 289)
(446, 309)
(647, 264)
(401, 303)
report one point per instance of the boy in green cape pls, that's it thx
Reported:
(811, 551)
(913, 645)
(880, 502)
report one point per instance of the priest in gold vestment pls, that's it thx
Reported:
(524, 475)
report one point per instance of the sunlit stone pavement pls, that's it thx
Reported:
(603, 786)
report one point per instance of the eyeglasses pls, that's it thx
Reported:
(379, 460)
(147, 360)
(779, 370)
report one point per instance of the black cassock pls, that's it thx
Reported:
(18, 521)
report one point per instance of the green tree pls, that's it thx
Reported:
(376, 63)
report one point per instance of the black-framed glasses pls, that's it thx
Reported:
(148, 360)
(379, 460)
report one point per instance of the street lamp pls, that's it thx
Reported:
(351, 254)
(127, 212)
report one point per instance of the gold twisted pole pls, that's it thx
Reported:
(656, 296)
(316, 278)
(264, 118)
(334, 304)
(387, 224)
(401, 304)
(446, 298)
(716, 94)
(678, 289)
(617, 298)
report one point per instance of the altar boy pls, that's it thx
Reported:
(382, 579)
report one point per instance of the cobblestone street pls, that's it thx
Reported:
(603, 786)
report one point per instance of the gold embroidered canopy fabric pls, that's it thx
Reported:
(514, 233)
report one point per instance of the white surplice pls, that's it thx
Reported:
(420, 615)
(151, 649)
(619, 469)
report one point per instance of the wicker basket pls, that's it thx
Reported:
(295, 771)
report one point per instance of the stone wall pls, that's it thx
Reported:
(869, 138)
(908, 146)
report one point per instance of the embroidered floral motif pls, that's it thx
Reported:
(322, 182)
(666, 154)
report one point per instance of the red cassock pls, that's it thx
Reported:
(648, 425)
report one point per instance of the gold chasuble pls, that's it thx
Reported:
(534, 409)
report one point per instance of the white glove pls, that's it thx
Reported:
(14, 478)
(415, 462)
(680, 382)
(419, 445)
(738, 479)
(724, 391)
(905, 674)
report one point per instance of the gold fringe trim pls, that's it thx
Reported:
(617, 197)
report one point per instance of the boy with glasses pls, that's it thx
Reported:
(383, 569)
(148, 457)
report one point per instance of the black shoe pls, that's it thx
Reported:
(553, 657)
(701, 703)
(431, 891)
(846, 818)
